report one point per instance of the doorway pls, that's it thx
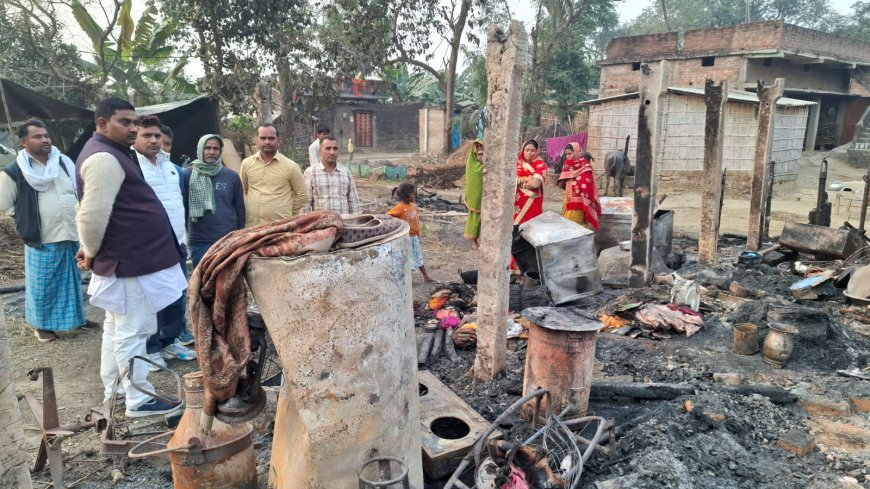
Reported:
(362, 122)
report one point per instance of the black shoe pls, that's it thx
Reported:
(153, 407)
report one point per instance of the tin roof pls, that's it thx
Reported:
(735, 95)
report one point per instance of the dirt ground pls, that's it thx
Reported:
(725, 441)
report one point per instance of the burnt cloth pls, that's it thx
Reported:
(218, 299)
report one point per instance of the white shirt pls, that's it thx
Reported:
(164, 178)
(161, 289)
(314, 155)
(56, 206)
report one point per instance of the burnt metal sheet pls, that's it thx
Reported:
(820, 241)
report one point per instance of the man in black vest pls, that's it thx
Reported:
(127, 241)
(39, 188)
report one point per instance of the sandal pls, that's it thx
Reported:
(367, 228)
(45, 336)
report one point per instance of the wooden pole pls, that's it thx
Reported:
(716, 99)
(505, 66)
(767, 98)
(653, 84)
(264, 102)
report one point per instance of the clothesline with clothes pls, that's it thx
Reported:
(555, 146)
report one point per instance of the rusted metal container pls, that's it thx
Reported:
(343, 326)
(823, 242)
(565, 251)
(746, 338)
(223, 458)
(614, 224)
(559, 358)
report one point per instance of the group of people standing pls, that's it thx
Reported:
(127, 214)
(580, 202)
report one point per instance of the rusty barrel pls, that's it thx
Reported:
(746, 339)
(223, 458)
(559, 358)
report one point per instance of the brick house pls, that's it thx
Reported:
(823, 68)
(361, 113)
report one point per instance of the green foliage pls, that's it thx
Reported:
(567, 38)
(35, 56)
(697, 14)
(139, 64)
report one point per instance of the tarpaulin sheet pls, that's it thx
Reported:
(555, 146)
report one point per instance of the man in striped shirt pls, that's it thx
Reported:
(331, 188)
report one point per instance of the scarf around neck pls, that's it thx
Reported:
(41, 183)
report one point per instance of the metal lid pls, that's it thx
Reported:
(561, 319)
(550, 227)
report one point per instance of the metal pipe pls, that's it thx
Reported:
(864, 201)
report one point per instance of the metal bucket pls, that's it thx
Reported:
(560, 354)
(746, 339)
(342, 324)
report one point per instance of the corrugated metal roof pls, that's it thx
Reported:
(744, 96)
(735, 95)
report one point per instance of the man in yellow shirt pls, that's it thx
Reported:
(273, 184)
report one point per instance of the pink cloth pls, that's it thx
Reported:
(555, 146)
(516, 480)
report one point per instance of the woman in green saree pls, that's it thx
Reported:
(474, 192)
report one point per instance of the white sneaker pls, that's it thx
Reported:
(156, 358)
(179, 351)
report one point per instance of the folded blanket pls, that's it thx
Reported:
(218, 298)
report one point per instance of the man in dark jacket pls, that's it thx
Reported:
(128, 242)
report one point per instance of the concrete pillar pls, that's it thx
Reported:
(505, 66)
(767, 98)
(653, 85)
(716, 99)
(813, 125)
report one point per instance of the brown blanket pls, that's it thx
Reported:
(218, 298)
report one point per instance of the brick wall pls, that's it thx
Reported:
(431, 127)
(810, 41)
(758, 36)
(394, 126)
(621, 78)
(642, 48)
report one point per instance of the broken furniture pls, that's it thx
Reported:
(53, 433)
(566, 258)
(342, 325)
(450, 426)
(561, 351)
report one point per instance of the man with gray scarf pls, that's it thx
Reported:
(39, 190)
(213, 198)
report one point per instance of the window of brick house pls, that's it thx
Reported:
(635, 66)
(708, 61)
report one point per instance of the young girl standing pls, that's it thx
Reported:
(406, 210)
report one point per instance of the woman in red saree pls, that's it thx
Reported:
(581, 203)
(531, 175)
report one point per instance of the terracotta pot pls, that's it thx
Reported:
(779, 344)
(746, 338)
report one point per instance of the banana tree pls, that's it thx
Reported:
(134, 60)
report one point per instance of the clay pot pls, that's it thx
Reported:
(746, 339)
(779, 344)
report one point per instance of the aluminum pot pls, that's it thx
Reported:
(779, 344)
